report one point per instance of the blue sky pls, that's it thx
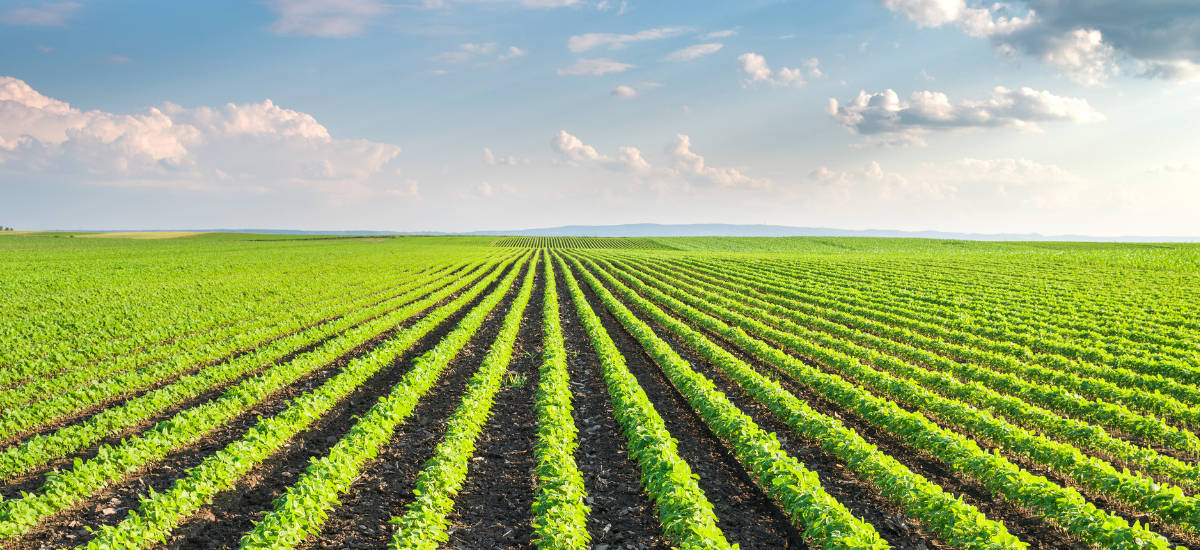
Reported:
(1056, 117)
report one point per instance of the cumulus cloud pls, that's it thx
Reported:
(692, 52)
(595, 67)
(1084, 39)
(489, 158)
(685, 164)
(325, 18)
(756, 67)
(513, 51)
(254, 145)
(48, 14)
(585, 42)
(624, 92)
(1023, 109)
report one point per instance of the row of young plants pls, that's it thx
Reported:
(114, 325)
(423, 524)
(1063, 506)
(244, 334)
(1004, 336)
(1096, 318)
(65, 489)
(960, 524)
(559, 513)
(156, 343)
(1097, 409)
(684, 512)
(1018, 410)
(159, 513)
(301, 511)
(994, 336)
(1166, 502)
(797, 489)
(16, 421)
(41, 449)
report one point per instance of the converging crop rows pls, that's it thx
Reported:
(575, 393)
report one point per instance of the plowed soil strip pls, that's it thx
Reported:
(33, 480)
(385, 487)
(85, 414)
(747, 516)
(1025, 525)
(66, 528)
(496, 499)
(111, 507)
(861, 497)
(620, 510)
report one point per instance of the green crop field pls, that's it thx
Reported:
(277, 392)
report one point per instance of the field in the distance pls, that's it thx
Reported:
(257, 391)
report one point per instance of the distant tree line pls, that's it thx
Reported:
(6, 229)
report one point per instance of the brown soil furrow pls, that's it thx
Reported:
(494, 507)
(66, 527)
(33, 480)
(621, 512)
(747, 516)
(1024, 524)
(385, 487)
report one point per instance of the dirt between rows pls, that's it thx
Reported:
(84, 415)
(34, 479)
(385, 487)
(621, 513)
(1022, 523)
(1030, 528)
(110, 507)
(864, 500)
(494, 507)
(746, 515)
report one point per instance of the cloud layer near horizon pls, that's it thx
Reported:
(256, 146)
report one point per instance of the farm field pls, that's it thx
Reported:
(222, 391)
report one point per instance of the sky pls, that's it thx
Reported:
(1036, 116)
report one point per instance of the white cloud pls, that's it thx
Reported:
(254, 145)
(595, 67)
(45, 49)
(1023, 109)
(686, 165)
(890, 142)
(465, 53)
(756, 66)
(721, 34)
(692, 52)
(1084, 39)
(573, 149)
(49, 14)
(513, 51)
(813, 64)
(583, 43)
(325, 18)
(624, 92)
(118, 60)
(489, 158)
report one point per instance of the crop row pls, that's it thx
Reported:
(1057, 504)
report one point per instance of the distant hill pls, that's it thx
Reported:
(727, 230)
(732, 230)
